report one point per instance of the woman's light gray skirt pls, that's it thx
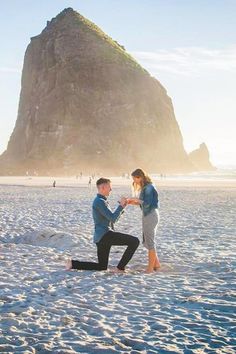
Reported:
(150, 223)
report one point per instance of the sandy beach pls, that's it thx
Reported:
(191, 181)
(188, 306)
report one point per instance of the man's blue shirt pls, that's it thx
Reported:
(103, 217)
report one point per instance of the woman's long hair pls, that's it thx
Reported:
(145, 179)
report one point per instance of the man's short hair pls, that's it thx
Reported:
(102, 180)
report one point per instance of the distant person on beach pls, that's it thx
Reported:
(148, 201)
(54, 184)
(104, 235)
(90, 182)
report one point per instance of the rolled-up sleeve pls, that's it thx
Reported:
(102, 207)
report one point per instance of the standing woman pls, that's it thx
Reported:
(148, 201)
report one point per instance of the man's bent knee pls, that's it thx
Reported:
(135, 242)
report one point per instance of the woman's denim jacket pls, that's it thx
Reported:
(149, 197)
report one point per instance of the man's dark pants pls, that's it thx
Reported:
(111, 238)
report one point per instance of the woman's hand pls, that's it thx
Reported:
(133, 201)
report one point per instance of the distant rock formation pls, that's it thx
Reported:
(200, 159)
(87, 105)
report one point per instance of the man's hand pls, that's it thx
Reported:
(133, 201)
(123, 202)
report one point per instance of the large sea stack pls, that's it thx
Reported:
(87, 105)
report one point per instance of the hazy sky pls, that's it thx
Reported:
(188, 45)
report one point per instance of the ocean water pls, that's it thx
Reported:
(221, 174)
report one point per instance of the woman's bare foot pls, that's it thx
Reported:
(149, 270)
(157, 266)
(69, 264)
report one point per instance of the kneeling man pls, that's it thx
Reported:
(104, 234)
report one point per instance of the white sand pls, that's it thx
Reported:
(186, 307)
